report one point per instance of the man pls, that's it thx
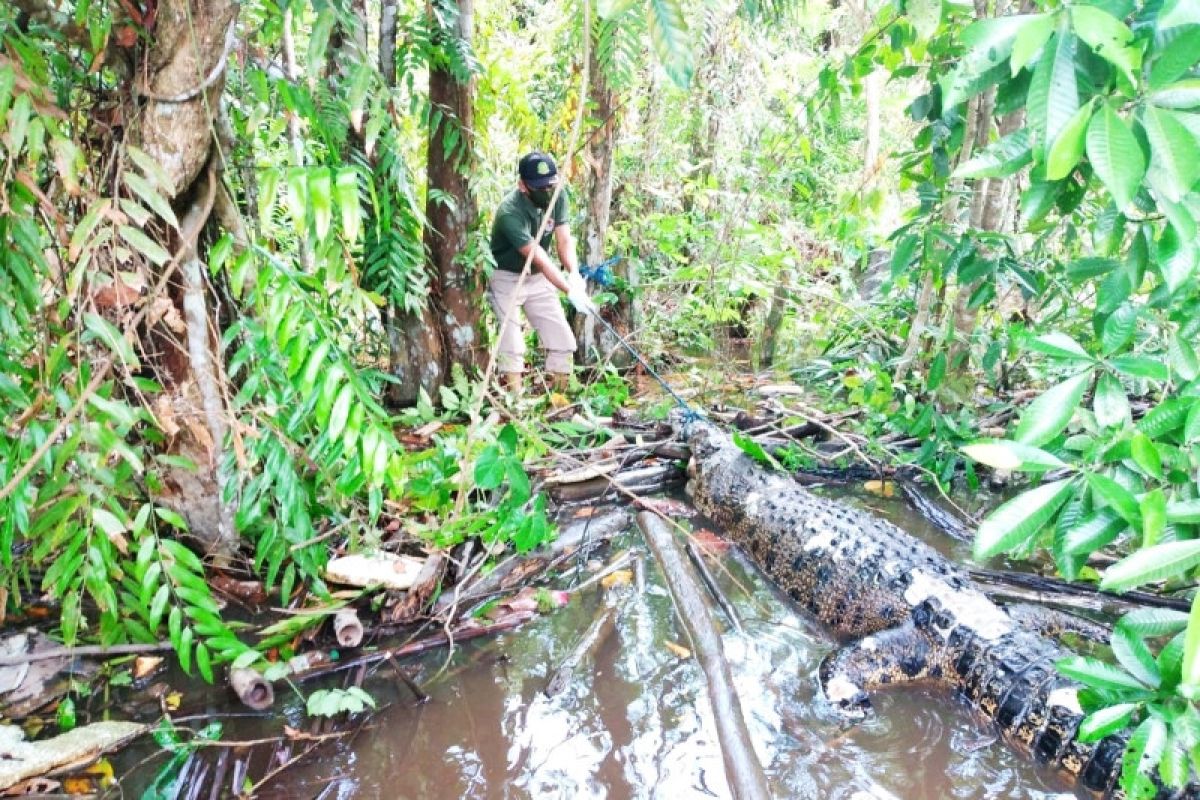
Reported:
(515, 235)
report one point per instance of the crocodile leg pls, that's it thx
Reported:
(893, 656)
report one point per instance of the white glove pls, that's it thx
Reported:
(578, 297)
(576, 282)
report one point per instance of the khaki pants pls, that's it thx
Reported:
(539, 300)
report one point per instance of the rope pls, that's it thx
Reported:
(689, 414)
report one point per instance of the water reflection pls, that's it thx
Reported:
(637, 723)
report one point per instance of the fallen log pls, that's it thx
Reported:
(743, 771)
(908, 614)
(20, 759)
(1043, 588)
(714, 589)
(940, 518)
(586, 533)
(591, 641)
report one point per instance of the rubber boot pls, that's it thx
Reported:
(559, 383)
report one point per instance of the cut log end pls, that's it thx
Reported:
(252, 688)
(347, 628)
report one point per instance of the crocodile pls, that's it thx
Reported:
(903, 613)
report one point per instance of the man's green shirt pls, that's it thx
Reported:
(516, 221)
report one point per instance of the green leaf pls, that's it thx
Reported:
(1146, 455)
(999, 159)
(1142, 754)
(1118, 329)
(1176, 256)
(1152, 564)
(1153, 509)
(1185, 512)
(1053, 93)
(1108, 720)
(204, 662)
(1059, 345)
(1183, 94)
(755, 451)
(1155, 621)
(1139, 367)
(490, 468)
(1182, 358)
(1110, 402)
(1190, 674)
(1176, 57)
(100, 328)
(144, 245)
(989, 43)
(1135, 657)
(1097, 674)
(1019, 519)
(1165, 417)
(107, 522)
(1003, 454)
(1191, 428)
(1178, 12)
(669, 37)
(1094, 532)
(1067, 149)
(1174, 166)
(346, 187)
(320, 199)
(925, 16)
(1115, 155)
(937, 371)
(1116, 497)
(151, 197)
(340, 411)
(1108, 36)
(1030, 40)
(1049, 414)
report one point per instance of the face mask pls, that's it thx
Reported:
(541, 197)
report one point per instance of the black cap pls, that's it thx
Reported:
(537, 170)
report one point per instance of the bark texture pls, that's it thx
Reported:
(183, 77)
(424, 346)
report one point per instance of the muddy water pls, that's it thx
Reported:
(636, 723)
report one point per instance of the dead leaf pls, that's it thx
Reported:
(559, 400)
(667, 507)
(620, 577)
(677, 649)
(32, 786)
(709, 542)
(145, 666)
(428, 429)
(881, 488)
(585, 512)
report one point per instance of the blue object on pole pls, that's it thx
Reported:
(600, 274)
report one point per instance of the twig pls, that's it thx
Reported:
(84, 650)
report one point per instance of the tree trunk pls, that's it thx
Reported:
(873, 93)
(450, 207)
(184, 71)
(424, 345)
(594, 340)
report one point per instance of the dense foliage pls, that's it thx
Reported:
(931, 213)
